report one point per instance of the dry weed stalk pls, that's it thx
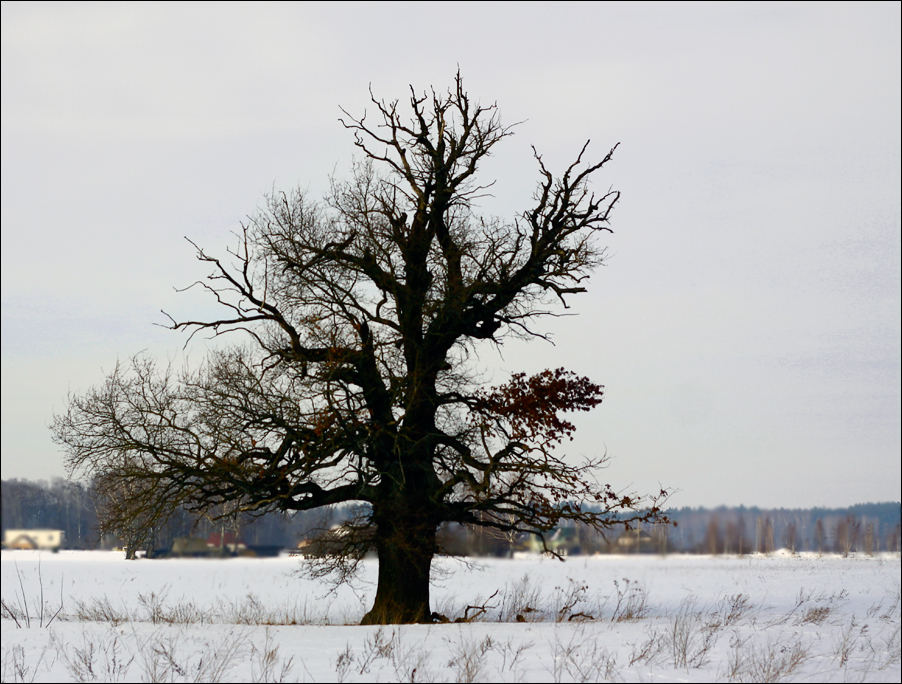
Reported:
(582, 658)
(630, 602)
(19, 612)
(468, 658)
(689, 639)
(769, 663)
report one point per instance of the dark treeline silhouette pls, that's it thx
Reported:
(863, 528)
(72, 507)
(59, 505)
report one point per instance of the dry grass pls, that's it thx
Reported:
(584, 641)
(583, 658)
(770, 662)
(689, 637)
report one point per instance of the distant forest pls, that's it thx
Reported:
(863, 528)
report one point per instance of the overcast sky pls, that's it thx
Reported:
(746, 326)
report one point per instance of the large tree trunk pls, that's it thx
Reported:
(405, 547)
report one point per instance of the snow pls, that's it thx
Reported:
(625, 618)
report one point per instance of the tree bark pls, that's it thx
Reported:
(405, 547)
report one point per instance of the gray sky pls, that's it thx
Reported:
(747, 326)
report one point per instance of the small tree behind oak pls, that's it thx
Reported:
(354, 380)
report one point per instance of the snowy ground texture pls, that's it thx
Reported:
(92, 616)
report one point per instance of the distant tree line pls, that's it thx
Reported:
(59, 505)
(78, 511)
(862, 528)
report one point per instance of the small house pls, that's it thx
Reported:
(33, 539)
(634, 537)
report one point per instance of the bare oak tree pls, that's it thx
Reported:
(360, 317)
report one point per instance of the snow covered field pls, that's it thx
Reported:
(602, 618)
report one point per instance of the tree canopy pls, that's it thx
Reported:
(351, 376)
